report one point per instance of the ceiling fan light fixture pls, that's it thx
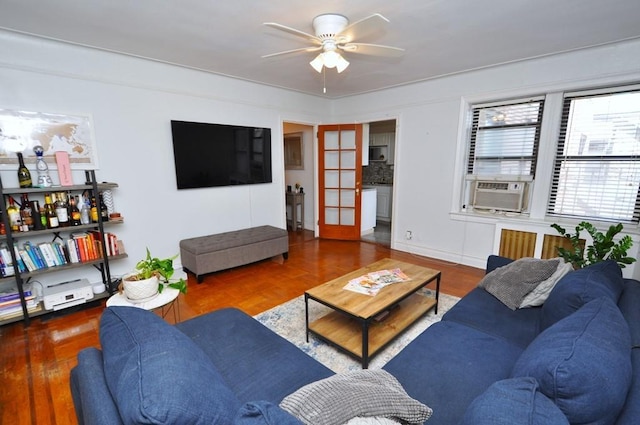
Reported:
(317, 63)
(342, 64)
(329, 59)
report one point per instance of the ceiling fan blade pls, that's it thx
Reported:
(294, 31)
(363, 28)
(372, 49)
(286, 52)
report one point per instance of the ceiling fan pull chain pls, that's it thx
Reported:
(324, 79)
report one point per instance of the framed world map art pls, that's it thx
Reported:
(20, 131)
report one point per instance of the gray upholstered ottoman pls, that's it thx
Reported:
(207, 254)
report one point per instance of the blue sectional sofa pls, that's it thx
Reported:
(575, 359)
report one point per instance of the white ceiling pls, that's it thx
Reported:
(441, 37)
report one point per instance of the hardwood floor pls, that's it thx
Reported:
(35, 361)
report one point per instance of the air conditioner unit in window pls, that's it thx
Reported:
(498, 195)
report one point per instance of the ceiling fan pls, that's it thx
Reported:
(334, 35)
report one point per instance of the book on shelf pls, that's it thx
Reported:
(16, 311)
(11, 303)
(11, 293)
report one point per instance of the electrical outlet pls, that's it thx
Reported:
(408, 235)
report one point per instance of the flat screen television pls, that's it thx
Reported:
(209, 155)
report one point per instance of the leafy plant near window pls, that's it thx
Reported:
(604, 247)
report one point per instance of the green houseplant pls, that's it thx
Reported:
(603, 248)
(151, 276)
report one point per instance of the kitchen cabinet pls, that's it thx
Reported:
(368, 207)
(384, 199)
(385, 139)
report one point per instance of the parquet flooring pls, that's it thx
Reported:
(35, 361)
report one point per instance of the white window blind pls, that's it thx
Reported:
(504, 138)
(597, 165)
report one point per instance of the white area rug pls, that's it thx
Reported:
(288, 321)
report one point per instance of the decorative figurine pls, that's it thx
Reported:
(44, 180)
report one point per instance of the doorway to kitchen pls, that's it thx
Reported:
(299, 174)
(377, 182)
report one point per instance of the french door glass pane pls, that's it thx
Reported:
(331, 216)
(348, 140)
(331, 197)
(347, 198)
(348, 179)
(331, 159)
(347, 217)
(331, 178)
(331, 140)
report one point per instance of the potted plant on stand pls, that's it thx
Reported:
(150, 278)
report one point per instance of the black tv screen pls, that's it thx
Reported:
(209, 155)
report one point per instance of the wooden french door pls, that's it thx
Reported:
(339, 180)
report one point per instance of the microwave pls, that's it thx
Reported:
(378, 153)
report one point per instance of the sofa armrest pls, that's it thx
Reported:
(91, 396)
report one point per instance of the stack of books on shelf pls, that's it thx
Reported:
(80, 247)
(10, 306)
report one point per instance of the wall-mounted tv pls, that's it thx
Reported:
(209, 155)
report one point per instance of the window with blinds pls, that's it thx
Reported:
(504, 138)
(597, 166)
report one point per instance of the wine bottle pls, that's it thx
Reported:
(61, 209)
(37, 217)
(26, 214)
(24, 176)
(50, 212)
(13, 213)
(76, 217)
(104, 211)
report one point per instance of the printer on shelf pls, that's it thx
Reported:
(67, 294)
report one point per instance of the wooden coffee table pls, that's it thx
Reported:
(355, 326)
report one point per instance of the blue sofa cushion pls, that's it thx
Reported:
(264, 413)
(579, 287)
(515, 401)
(449, 365)
(583, 363)
(252, 355)
(482, 311)
(157, 375)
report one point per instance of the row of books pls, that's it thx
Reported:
(79, 247)
(10, 306)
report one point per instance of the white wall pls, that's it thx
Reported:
(431, 129)
(132, 102)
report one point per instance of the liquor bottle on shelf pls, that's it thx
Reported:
(94, 210)
(13, 213)
(44, 220)
(52, 218)
(24, 176)
(26, 214)
(44, 180)
(61, 209)
(104, 211)
(85, 213)
(38, 223)
(74, 212)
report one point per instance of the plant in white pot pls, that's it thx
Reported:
(150, 277)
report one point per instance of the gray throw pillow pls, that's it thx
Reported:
(340, 398)
(511, 283)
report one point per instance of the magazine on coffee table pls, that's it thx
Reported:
(372, 283)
